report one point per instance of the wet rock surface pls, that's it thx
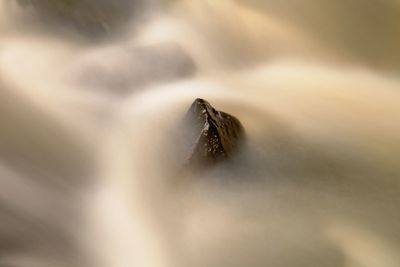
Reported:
(94, 18)
(214, 135)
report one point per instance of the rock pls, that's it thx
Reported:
(90, 17)
(214, 135)
(123, 70)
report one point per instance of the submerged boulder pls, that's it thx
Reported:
(90, 17)
(123, 70)
(213, 135)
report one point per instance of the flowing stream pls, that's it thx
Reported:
(89, 174)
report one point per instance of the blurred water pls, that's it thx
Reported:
(88, 171)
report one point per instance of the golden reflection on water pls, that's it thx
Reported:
(88, 177)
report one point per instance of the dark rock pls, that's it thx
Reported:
(214, 135)
(90, 17)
